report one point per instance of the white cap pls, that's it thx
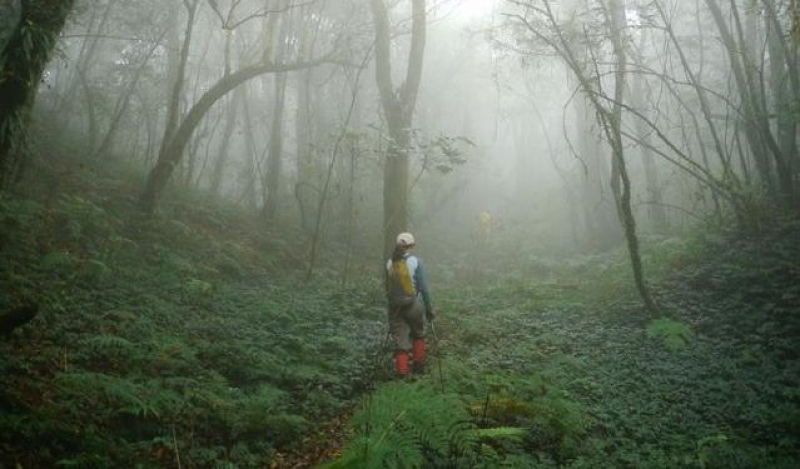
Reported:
(405, 239)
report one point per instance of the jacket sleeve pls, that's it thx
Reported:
(422, 286)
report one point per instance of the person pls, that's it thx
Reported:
(409, 306)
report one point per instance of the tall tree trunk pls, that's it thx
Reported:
(656, 210)
(223, 152)
(304, 131)
(173, 109)
(80, 75)
(784, 83)
(275, 155)
(695, 80)
(756, 126)
(230, 123)
(620, 182)
(276, 48)
(600, 230)
(249, 193)
(398, 109)
(122, 103)
(23, 61)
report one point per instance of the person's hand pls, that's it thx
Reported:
(430, 315)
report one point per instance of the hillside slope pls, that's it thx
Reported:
(193, 336)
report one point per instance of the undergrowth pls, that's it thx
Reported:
(195, 337)
(567, 356)
(166, 338)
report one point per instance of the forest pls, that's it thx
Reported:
(399, 234)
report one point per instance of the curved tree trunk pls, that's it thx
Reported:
(23, 61)
(169, 159)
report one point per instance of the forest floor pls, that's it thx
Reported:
(194, 339)
(713, 380)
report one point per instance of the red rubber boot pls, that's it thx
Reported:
(401, 363)
(419, 356)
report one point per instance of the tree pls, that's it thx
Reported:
(175, 141)
(612, 124)
(22, 63)
(398, 109)
(656, 210)
(275, 156)
(169, 159)
(771, 161)
(608, 107)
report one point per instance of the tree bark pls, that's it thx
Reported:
(23, 61)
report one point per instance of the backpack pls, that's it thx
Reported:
(399, 287)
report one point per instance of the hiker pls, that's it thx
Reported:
(409, 306)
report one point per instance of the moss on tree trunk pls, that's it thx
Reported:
(23, 61)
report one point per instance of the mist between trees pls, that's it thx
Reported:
(573, 125)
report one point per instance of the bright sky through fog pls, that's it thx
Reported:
(474, 8)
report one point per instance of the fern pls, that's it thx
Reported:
(404, 425)
(108, 344)
(109, 396)
(549, 418)
(515, 434)
(675, 335)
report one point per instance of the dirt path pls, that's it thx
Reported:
(316, 448)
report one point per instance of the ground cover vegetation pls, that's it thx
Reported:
(192, 340)
(165, 338)
(196, 199)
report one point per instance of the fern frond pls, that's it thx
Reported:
(403, 425)
(107, 344)
(500, 433)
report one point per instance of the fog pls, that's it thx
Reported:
(576, 125)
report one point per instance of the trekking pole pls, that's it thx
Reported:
(438, 354)
(385, 347)
(376, 364)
